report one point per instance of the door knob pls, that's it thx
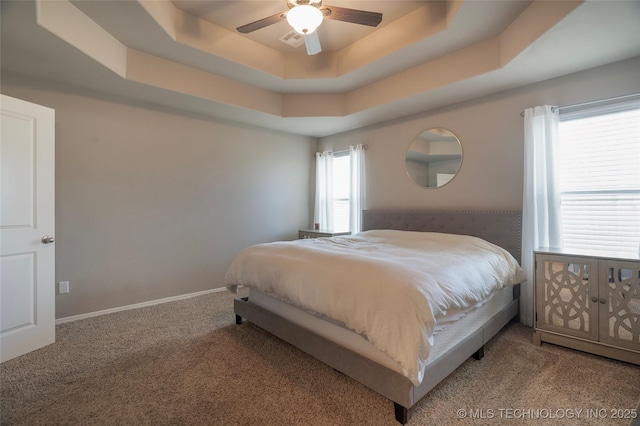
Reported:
(47, 239)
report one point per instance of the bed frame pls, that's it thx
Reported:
(502, 228)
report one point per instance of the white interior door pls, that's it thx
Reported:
(27, 258)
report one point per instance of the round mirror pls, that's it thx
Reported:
(434, 157)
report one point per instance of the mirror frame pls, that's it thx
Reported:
(416, 138)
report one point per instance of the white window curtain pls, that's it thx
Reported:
(323, 210)
(357, 193)
(541, 196)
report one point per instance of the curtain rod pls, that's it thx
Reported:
(616, 98)
(344, 150)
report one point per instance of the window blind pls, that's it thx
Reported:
(599, 170)
(341, 191)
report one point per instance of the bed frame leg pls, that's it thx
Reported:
(479, 354)
(238, 319)
(401, 413)
(516, 296)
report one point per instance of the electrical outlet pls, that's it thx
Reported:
(63, 287)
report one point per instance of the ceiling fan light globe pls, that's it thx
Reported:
(304, 19)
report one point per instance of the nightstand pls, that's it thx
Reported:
(313, 233)
(588, 301)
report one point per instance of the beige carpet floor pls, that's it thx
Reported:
(187, 363)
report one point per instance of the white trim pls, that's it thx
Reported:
(138, 305)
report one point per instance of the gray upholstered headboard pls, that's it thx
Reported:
(502, 228)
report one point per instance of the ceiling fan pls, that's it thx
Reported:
(305, 16)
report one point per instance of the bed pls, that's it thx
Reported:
(455, 337)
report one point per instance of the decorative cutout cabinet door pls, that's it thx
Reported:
(620, 304)
(588, 303)
(564, 288)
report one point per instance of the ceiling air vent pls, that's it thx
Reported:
(292, 38)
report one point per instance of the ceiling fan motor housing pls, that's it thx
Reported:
(294, 3)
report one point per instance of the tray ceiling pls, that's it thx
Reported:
(186, 55)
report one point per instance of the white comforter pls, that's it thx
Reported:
(390, 286)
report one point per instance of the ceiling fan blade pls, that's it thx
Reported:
(261, 23)
(312, 42)
(354, 16)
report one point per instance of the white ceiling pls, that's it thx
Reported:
(186, 55)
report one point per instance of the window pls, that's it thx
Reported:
(341, 191)
(599, 178)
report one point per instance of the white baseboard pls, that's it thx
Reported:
(138, 305)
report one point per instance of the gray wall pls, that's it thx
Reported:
(491, 132)
(152, 204)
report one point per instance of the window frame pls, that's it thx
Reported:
(601, 233)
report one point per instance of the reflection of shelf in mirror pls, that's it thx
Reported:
(426, 158)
